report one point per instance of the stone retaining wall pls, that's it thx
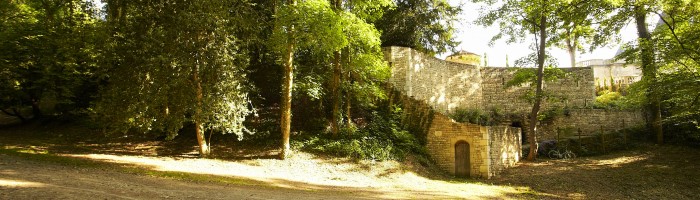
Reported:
(590, 121)
(505, 148)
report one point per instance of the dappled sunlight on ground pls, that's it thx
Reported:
(19, 183)
(646, 172)
(643, 172)
(615, 162)
(304, 171)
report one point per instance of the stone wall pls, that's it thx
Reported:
(492, 149)
(447, 86)
(444, 133)
(590, 121)
(444, 85)
(496, 95)
(575, 90)
(505, 147)
(435, 88)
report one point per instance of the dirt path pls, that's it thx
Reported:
(25, 179)
(645, 172)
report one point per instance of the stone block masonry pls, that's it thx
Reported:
(444, 85)
(491, 149)
(577, 89)
(505, 148)
(435, 88)
(445, 133)
(447, 86)
(590, 121)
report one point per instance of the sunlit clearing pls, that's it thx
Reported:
(411, 181)
(17, 183)
(617, 162)
(307, 172)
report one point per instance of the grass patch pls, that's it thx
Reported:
(45, 156)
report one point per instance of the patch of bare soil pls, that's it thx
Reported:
(646, 172)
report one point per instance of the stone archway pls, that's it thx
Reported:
(462, 159)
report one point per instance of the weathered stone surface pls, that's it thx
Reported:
(505, 148)
(589, 122)
(446, 86)
(442, 148)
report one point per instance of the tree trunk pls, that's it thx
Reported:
(571, 47)
(351, 80)
(649, 73)
(287, 83)
(115, 12)
(335, 92)
(571, 42)
(348, 108)
(36, 110)
(335, 82)
(532, 129)
(203, 146)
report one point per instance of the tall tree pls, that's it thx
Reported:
(643, 52)
(427, 26)
(649, 69)
(177, 63)
(361, 36)
(517, 18)
(577, 22)
(335, 80)
(305, 16)
(678, 48)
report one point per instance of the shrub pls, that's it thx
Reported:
(474, 116)
(381, 139)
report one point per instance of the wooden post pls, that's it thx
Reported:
(558, 131)
(580, 143)
(624, 133)
(602, 139)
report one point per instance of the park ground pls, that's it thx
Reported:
(65, 161)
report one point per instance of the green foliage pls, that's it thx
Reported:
(48, 53)
(381, 139)
(553, 113)
(527, 77)
(677, 43)
(427, 26)
(474, 116)
(493, 116)
(307, 18)
(161, 54)
(614, 100)
(346, 31)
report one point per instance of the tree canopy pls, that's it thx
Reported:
(428, 26)
(175, 63)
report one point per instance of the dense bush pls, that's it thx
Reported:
(382, 138)
(474, 116)
(493, 116)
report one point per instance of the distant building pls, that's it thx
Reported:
(465, 57)
(613, 75)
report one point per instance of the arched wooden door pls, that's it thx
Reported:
(462, 159)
